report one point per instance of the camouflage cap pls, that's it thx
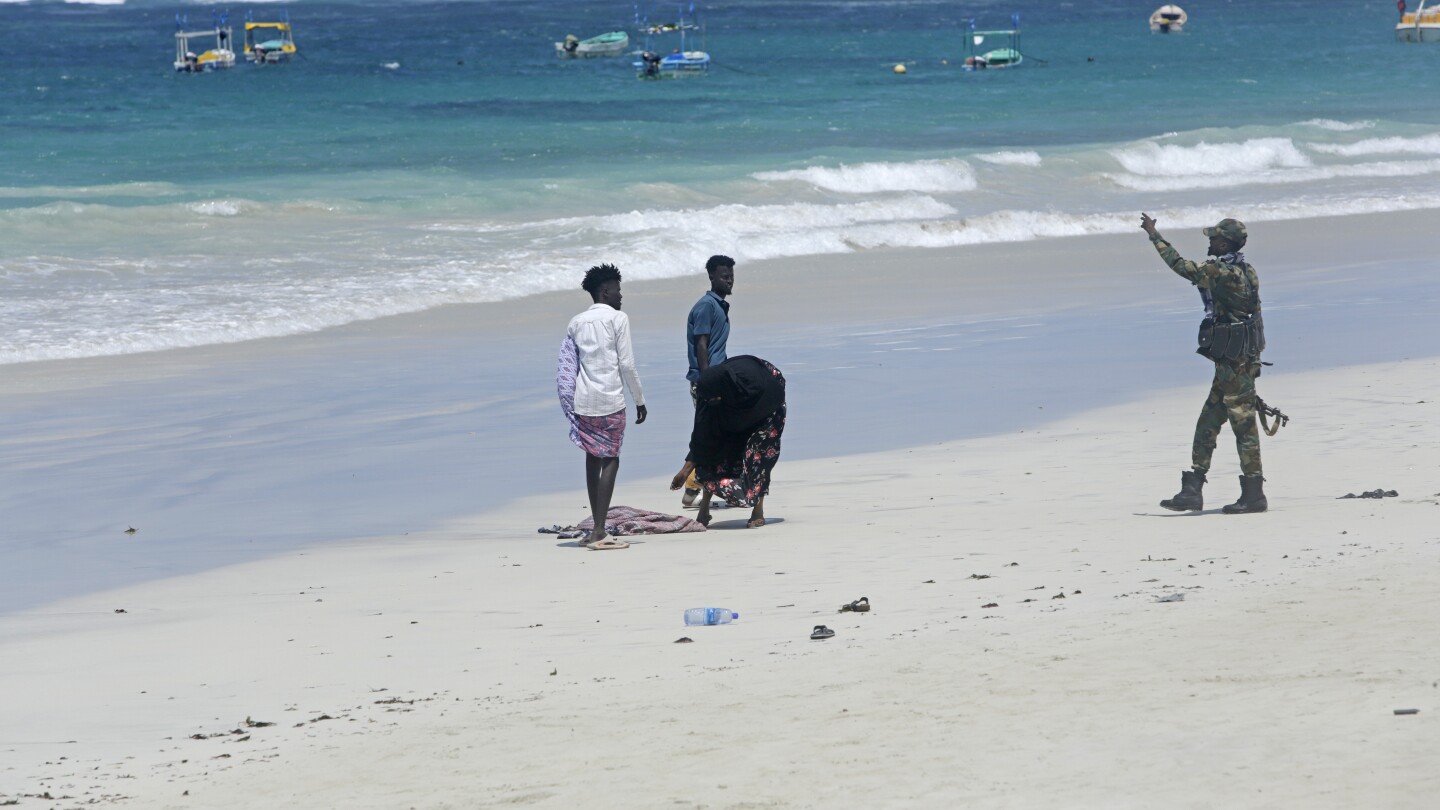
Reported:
(1232, 229)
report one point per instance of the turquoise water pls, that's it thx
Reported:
(420, 154)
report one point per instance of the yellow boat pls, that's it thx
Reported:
(1420, 25)
(217, 58)
(269, 43)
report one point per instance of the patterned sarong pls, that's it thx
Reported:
(600, 436)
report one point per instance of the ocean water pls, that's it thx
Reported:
(424, 153)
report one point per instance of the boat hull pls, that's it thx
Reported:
(593, 50)
(1168, 19)
(676, 65)
(211, 60)
(994, 60)
(1418, 33)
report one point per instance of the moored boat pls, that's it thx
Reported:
(220, 57)
(682, 61)
(1168, 19)
(1420, 25)
(1003, 57)
(613, 43)
(268, 43)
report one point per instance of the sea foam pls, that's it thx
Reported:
(925, 176)
(1338, 126)
(138, 189)
(1011, 158)
(1311, 174)
(305, 283)
(1424, 145)
(1150, 159)
(739, 220)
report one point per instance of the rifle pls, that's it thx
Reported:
(1264, 410)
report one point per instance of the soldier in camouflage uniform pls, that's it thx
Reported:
(1231, 292)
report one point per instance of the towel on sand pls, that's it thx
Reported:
(627, 521)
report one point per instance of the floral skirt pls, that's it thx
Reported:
(600, 436)
(742, 481)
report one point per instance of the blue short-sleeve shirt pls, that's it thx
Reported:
(710, 316)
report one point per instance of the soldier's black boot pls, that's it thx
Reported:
(1188, 499)
(1252, 496)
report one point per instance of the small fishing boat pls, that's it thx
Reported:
(1168, 19)
(220, 57)
(269, 43)
(681, 61)
(613, 43)
(685, 61)
(667, 28)
(1003, 57)
(1420, 25)
(673, 65)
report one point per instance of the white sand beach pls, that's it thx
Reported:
(336, 597)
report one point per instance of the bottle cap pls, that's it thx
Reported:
(734, 615)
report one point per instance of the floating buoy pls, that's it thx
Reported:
(899, 68)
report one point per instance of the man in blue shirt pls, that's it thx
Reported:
(706, 332)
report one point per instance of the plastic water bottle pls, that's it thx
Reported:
(710, 616)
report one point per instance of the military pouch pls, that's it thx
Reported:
(1231, 341)
(1255, 333)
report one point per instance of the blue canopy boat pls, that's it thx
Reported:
(682, 61)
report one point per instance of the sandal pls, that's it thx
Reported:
(861, 605)
(821, 632)
(607, 544)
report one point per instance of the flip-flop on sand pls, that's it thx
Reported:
(607, 544)
(861, 605)
(821, 632)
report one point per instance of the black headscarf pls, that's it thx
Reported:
(732, 399)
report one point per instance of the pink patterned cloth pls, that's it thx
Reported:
(626, 521)
(600, 436)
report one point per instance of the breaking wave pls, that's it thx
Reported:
(924, 176)
(1423, 145)
(1338, 126)
(1011, 158)
(1150, 159)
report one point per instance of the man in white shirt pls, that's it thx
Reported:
(606, 360)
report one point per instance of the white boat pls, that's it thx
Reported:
(1168, 19)
(1420, 25)
(220, 57)
(613, 43)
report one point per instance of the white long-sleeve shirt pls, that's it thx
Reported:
(602, 337)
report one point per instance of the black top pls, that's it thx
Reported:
(732, 399)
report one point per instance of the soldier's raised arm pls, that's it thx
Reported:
(1188, 270)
